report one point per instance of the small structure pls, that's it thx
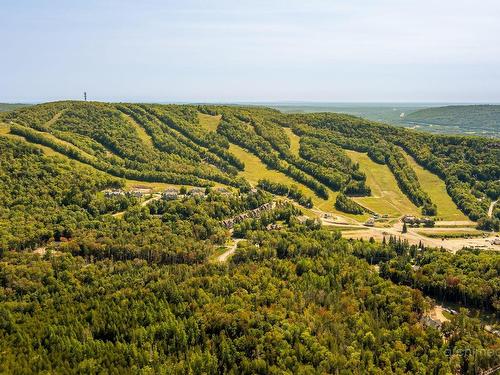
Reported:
(170, 193)
(302, 219)
(409, 219)
(273, 226)
(139, 191)
(450, 311)
(416, 221)
(223, 191)
(113, 193)
(370, 222)
(429, 322)
(495, 241)
(197, 192)
(492, 330)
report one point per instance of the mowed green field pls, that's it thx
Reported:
(386, 197)
(141, 132)
(209, 122)
(294, 141)
(436, 188)
(256, 170)
(5, 132)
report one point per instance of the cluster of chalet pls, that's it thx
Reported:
(255, 213)
(274, 226)
(376, 217)
(173, 193)
(416, 221)
(370, 222)
(138, 192)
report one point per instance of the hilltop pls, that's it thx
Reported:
(345, 170)
(209, 145)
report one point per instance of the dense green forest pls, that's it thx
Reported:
(345, 204)
(96, 283)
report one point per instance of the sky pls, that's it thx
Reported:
(250, 51)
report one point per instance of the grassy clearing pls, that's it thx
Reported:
(452, 234)
(255, 170)
(216, 253)
(4, 128)
(294, 141)
(436, 188)
(141, 133)
(455, 224)
(160, 186)
(155, 186)
(52, 121)
(386, 197)
(344, 228)
(5, 132)
(209, 122)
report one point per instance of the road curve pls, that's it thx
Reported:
(490, 210)
(230, 250)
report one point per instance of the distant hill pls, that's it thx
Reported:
(431, 117)
(471, 119)
(6, 107)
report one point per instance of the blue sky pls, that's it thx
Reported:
(329, 51)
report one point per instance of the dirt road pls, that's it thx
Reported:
(437, 314)
(230, 250)
(490, 210)
(155, 197)
(414, 238)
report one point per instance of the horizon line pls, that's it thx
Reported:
(262, 102)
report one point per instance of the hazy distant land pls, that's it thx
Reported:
(481, 120)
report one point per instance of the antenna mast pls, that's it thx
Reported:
(85, 95)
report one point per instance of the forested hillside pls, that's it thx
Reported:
(166, 143)
(6, 107)
(94, 279)
(472, 119)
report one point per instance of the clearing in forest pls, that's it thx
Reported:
(387, 197)
(294, 141)
(209, 122)
(53, 120)
(256, 170)
(436, 188)
(141, 133)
